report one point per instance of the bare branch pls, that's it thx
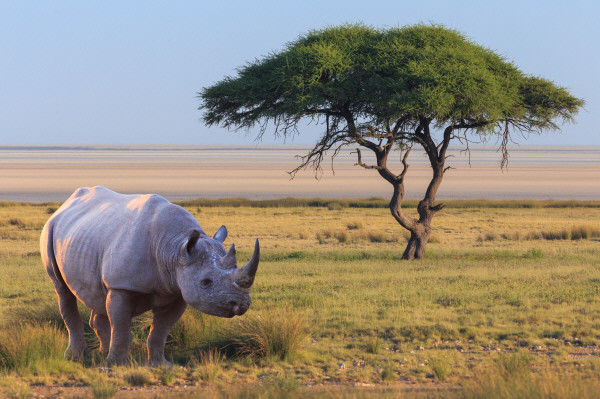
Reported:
(404, 165)
(360, 162)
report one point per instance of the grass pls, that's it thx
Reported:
(103, 388)
(512, 308)
(270, 334)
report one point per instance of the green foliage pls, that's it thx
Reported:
(383, 75)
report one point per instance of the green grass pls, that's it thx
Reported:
(466, 316)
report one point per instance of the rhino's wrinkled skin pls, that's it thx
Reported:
(122, 255)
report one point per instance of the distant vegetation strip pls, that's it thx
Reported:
(374, 202)
(377, 202)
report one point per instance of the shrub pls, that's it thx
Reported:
(275, 333)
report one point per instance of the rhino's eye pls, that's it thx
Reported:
(206, 283)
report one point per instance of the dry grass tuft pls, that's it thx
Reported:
(27, 346)
(209, 366)
(273, 333)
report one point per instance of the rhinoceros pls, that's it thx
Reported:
(122, 255)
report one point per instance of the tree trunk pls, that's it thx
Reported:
(415, 249)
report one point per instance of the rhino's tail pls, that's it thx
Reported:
(48, 255)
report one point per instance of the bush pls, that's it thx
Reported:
(275, 333)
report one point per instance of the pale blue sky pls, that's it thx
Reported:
(102, 72)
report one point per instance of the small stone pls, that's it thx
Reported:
(412, 352)
(421, 348)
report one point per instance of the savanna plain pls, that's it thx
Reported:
(506, 304)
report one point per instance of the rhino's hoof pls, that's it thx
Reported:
(76, 353)
(115, 361)
(160, 363)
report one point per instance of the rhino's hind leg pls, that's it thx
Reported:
(68, 309)
(119, 306)
(101, 326)
(164, 319)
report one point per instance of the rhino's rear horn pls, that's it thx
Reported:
(229, 261)
(245, 275)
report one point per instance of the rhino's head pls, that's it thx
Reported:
(209, 279)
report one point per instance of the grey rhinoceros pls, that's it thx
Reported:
(122, 255)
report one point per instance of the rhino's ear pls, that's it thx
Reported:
(194, 236)
(221, 234)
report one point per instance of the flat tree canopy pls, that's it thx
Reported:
(387, 90)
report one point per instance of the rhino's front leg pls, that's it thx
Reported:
(164, 319)
(119, 306)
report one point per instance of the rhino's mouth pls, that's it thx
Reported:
(230, 310)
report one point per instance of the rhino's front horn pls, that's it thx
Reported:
(245, 276)
(229, 261)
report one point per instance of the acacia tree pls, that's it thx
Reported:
(386, 90)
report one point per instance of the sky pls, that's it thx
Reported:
(128, 72)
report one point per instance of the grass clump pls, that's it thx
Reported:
(514, 363)
(209, 366)
(354, 225)
(103, 388)
(32, 346)
(440, 367)
(374, 345)
(15, 388)
(341, 236)
(275, 333)
(376, 236)
(387, 373)
(138, 376)
(533, 253)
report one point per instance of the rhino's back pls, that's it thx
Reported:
(102, 239)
